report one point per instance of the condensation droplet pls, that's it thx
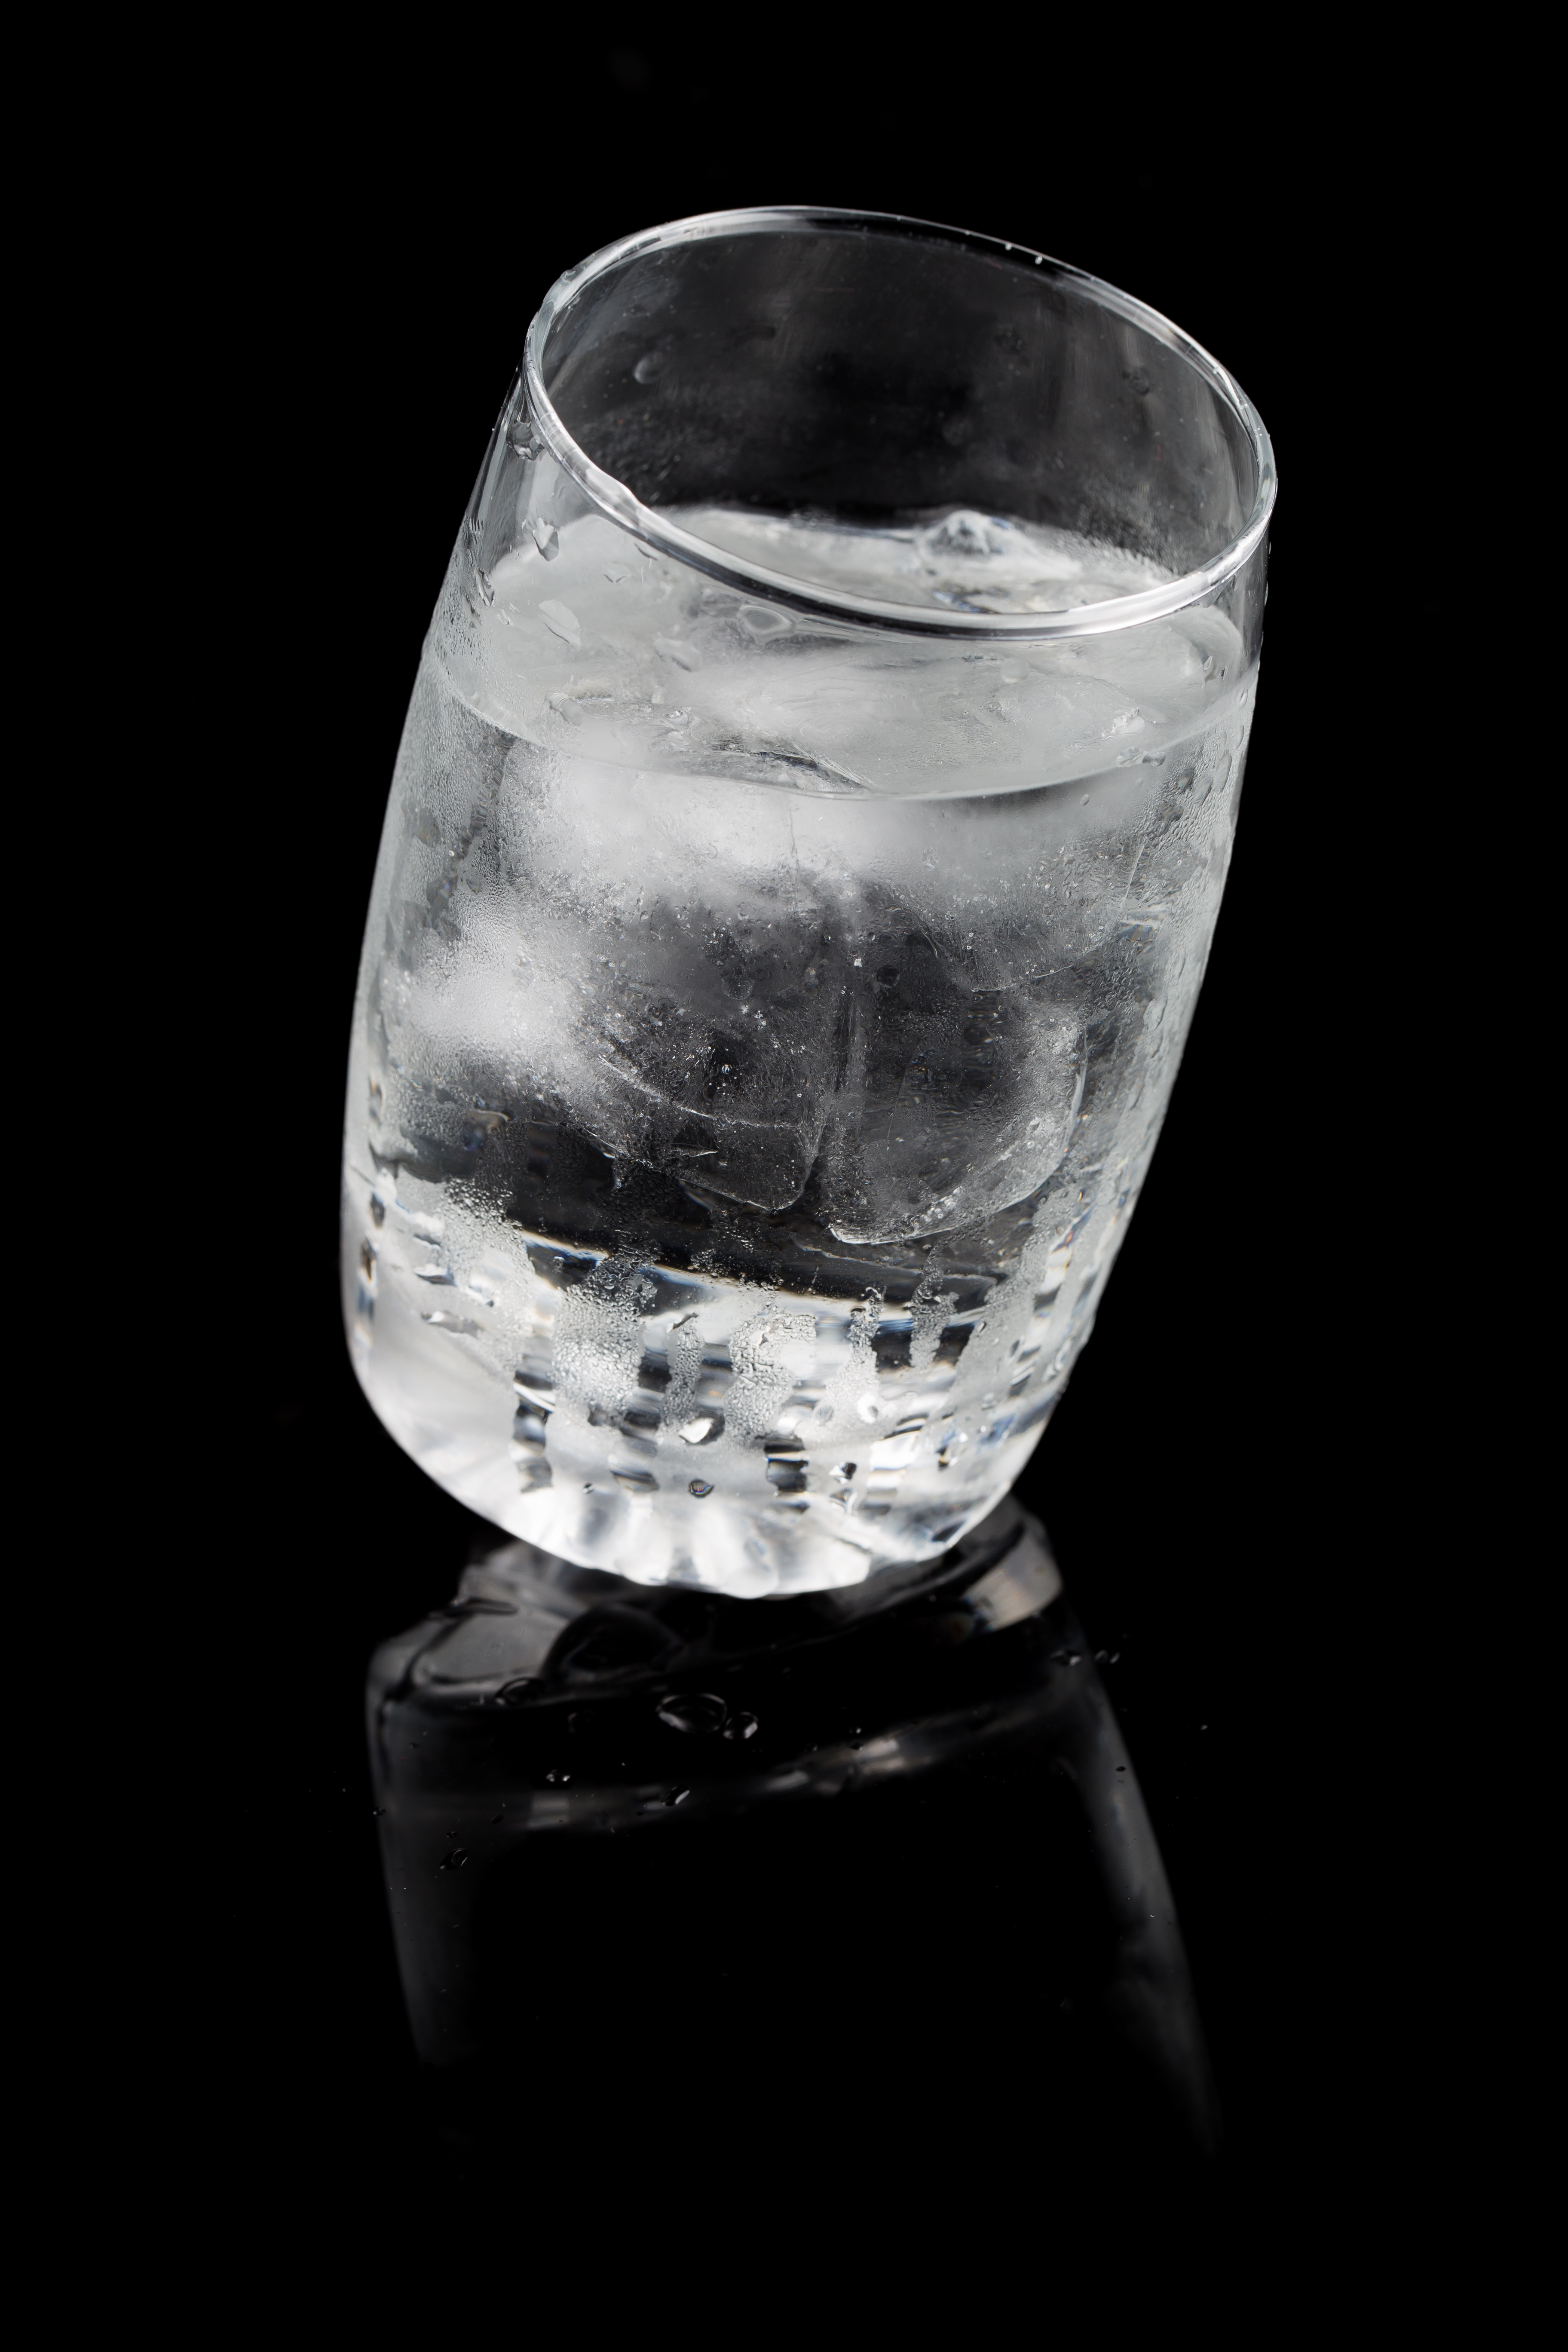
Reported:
(695, 1712)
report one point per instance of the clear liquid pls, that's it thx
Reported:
(761, 1037)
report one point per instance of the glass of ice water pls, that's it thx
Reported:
(800, 865)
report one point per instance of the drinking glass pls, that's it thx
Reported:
(802, 857)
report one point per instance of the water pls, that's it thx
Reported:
(763, 1033)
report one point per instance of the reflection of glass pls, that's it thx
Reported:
(671, 1871)
(803, 850)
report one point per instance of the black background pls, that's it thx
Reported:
(364, 257)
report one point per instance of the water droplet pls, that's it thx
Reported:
(517, 1692)
(694, 1432)
(561, 620)
(546, 538)
(677, 650)
(677, 1796)
(700, 1487)
(650, 364)
(1137, 379)
(615, 572)
(868, 1408)
(741, 1726)
(453, 1861)
(377, 1211)
(376, 1811)
(856, 1737)
(519, 439)
(697, 1712)
(555, 1778)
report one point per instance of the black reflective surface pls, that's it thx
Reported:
(890, 1862)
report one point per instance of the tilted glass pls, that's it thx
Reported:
(800, 865)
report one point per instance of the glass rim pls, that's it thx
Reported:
(614, 500)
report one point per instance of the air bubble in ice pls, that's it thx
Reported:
(676, 649)
(694, 1432)
(700, 1487)
(650, 364)
(556, 1778)
(741, 1726)
(697, 1712)
(963, 533)
(546, 538)
(453, 1861)
(561, 620)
